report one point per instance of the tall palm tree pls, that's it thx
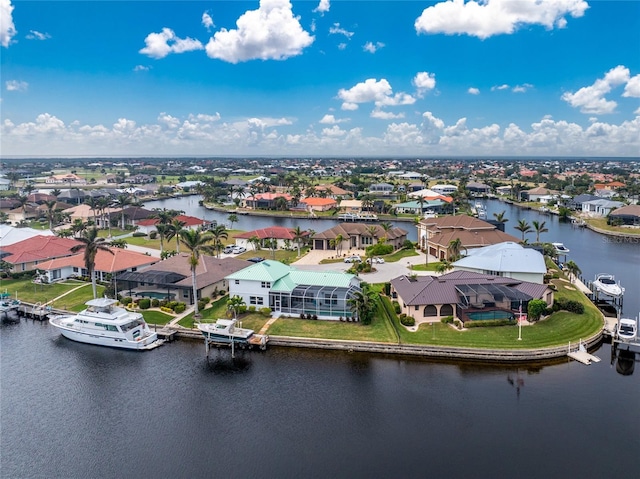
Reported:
(77, 227)
(164, 231)
(338, 243)
(298, 236)
(122, 201)
(455, 249)
(91, 243)
(539, 228)
(174, 229)
(164, 215)
(523, 227)
(232, 219)
(93, 204)
(255, 242)
(197, 243)
(218, 233)
(103, 204)
(51, 212)
(573, 270)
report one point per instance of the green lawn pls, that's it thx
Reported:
(156, 317)
(114, 232)
(425, 267)
(399, 254)
(218, 310)
(76, 300)
(33, 293)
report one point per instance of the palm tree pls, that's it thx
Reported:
(197, 243)
(232, 219)
(573, 270)
(119, 243)
(500, 217)
(122, 201)
(362, 304)
(91, 243)
(56, 192)
(165, 216)
(163, 232)
(78, 227)
(51, 212)
(539, 228)
(298, 236)
(218, 233)
(455, 248)
(174, 229)
(443, 266)
(255, 242)
(338, 243)
(103, 204)
(93, 204)
(523, 227)
(235, 304)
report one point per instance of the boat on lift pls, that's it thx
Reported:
(606, 284)
(560, 248)
(226, 331)
(627, 329)
(104, 324)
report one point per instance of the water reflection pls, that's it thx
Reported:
(221, 363)
(624, 360)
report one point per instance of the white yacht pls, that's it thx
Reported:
(627, 329)
(606, 284)
(226, 331)
(105, 324)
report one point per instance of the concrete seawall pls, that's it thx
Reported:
(443, 352)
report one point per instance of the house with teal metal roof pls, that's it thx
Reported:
(291, 292)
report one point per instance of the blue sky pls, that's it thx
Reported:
(322, 77)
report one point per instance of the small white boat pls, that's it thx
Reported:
(560, 248)
(606, 284)
(105, 324)
(226, 331)
(627, 329)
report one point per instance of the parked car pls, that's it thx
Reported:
(375, 260)
(239, 249)
(353, 259)
(228, 249)
(256, 259)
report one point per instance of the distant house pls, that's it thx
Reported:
(4, 184)
(27, 254)
(284, 237)
(535, 194)
(418, 208)
(627, 215)
(132, 215)
(477, 188)
(10, 234)
(600, 208)
(266, 201)
(436, 234)
(444, 189)
(66, 178)
(148, 225)
(507, 259)
(171, 278)
(24, 213)
(333, 191)
(359, 236)
(141, 179)
(381, 189)
(106, 264)
(351, 206)
(457, 294)
(289, 291)
(504, 190)
(318, 204)
(576, 202)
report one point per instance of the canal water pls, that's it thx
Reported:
(592, 252)
(71, 410)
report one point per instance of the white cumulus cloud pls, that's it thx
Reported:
(207, 21)
(372, 90)
(140, 68)
(270, 33)
(632, 88)
(372, 47)
(486, 18)
(159, 45)
(16, 85)
(7, 28)
(590, 99)
(323, 6)
(424, 81)
(385, 115)
(35, 35)
(336, 29)
(473, 91)
(332, 120)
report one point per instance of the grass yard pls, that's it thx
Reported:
(33, 293)
(114, 232)
(426, 267)
(218, 310)
(156, 317)
(400, 254)
(76, 300)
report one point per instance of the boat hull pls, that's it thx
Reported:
(148, 342)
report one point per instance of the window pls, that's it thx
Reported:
(185, 293)
(256, 300)
(75, 270)
(237, 281)
(266, 284)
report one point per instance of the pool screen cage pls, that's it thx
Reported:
(322, 301)
(483, 295)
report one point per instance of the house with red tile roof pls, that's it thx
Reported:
(318, 204)
(26, 255)
(190, 222)
(120, 261)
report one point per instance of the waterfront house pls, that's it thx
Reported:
(419, 208)
(539, 193)
(106, 264)
(430, 298)
(600, 207)
(68, 178)
(171, 278)
(289, 291)
(284, 237)
(318, 204)
(27, 254)
(132, 215)
(507, 259)
(10, 234)
(504, 190)
(476, 188)
(148, 225)
(5, 184)
(626, 215)
(23, 213)
(351, 206)
(576, 202)
(267, 201)
(436, 234)
(384, 189)
(332, 191)
(358, 236)
(444, 189)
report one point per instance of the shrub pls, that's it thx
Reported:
(206, 299)
(138, 234)
(266, 312)
(396, 307)
(202, 305)
(408, 244)
(242, 309)
(379, 249)
(340, 318)
(488, 323)
(126, 300)
(164, 302)
(387, 288)
(152, 235)
(155, 302)
(252, 309)
(302, 316)
(447, 320)
(458, 323)
(568, 305)
(179, 308)
(314, 317)
(166, 310)
(407, 320)
(535, 309)
(144, 303)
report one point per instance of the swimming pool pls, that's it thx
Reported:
(483, 315)
(154, 295)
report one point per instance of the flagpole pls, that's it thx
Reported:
(520, 322)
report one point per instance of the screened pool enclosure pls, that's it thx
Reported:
(322, 301)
